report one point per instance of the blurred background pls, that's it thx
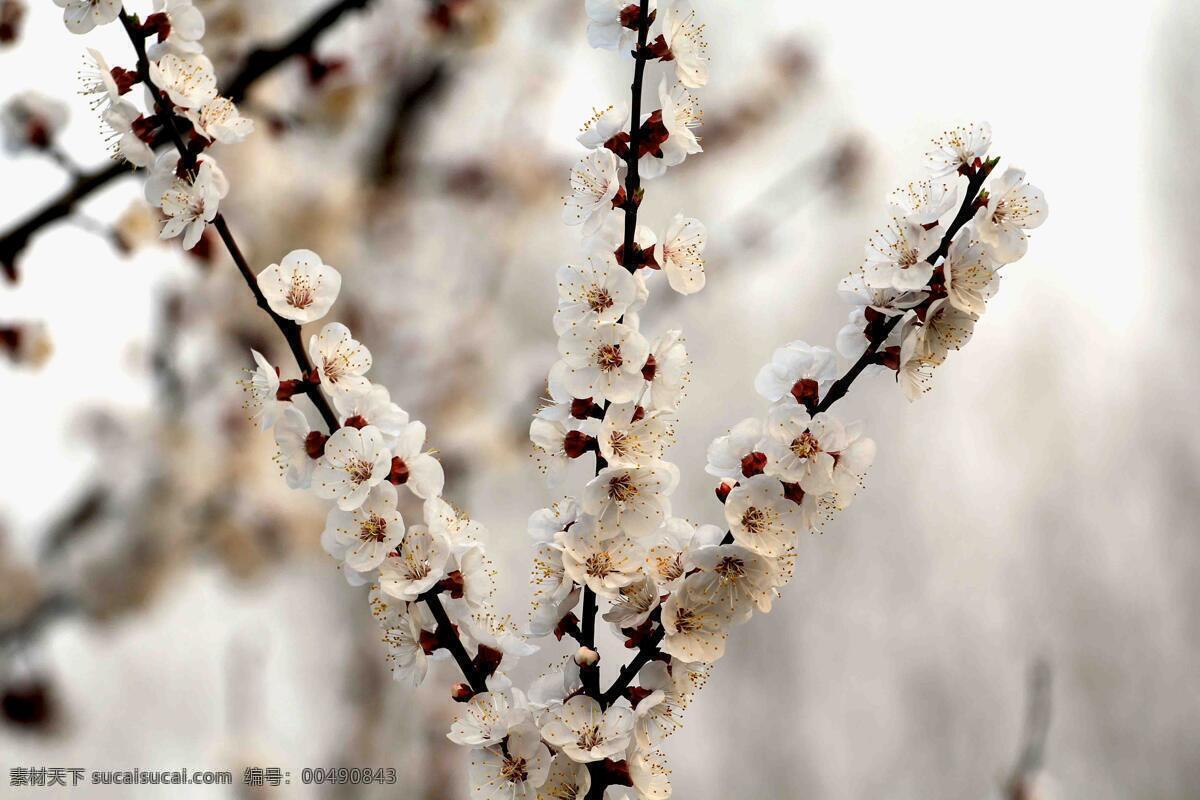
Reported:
(1016, 592)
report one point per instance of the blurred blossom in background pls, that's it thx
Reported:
(1015, 593)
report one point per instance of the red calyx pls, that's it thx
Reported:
(576, 443)
(793, 492)
(125, 79)
(144, 127)
(452, 583)
(615, 773)
(635, 636)
(630, 15)
(723, 491)
(889, 357)
(652, 135)
(581, 407)
(568, 625)
(658, 49)
(805, 391)
(619, 198)
(430, 642)
(487, 660)
(399, 473)
(639, 257)
(650, 369)
(637, 694)
(754, 464)
(461, 693)
(357, 421)
(639, 414)
(619, 144)
(288, 389)
(314, 444)
(159, 24)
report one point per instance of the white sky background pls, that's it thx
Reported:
(1068, 93)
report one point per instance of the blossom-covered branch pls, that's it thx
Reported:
(259, 63)
(614, 547)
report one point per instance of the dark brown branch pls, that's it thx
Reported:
(447, 633)
(257, 65)
(842, 385)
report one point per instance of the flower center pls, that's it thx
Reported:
(670, 567)
(608, 357)
(619, 442)
(589, 737)
(730, 569)
(999, 213)
(300, 293)
(598, 564)
(755, 520)
(687, 621)
(598, 299)
(373, 529)
(805, 445)
(514, 770)
(359, 470)
(622, 489)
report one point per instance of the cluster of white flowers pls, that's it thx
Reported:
(673, 590)
(177, 66)
(938, 292)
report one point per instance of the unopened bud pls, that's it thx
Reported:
(587, 657)
(723, 491)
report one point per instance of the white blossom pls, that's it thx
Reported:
(897, 256)
(1014, 206)
(594, 184)
(669, 557)
(190, 205)
(546, 523)
(946, 328)
(340, 360)
(355, 461)
(81, 16)
(416, 565)
(487, 719)
(120, 117)
(681, 254)
(373, 406)
(608, 28)
(727, 454)
(188, 79)
(362, 538)
(262, 389)
(660, 713)
(633, 604)
(413, 467)
(667, 371)
(186, 29)
(958, 148)
(684, 36)
(31, 120)
(604, 563)
(916, 365)
(584, 732)
(630, 436)
(733, 576)
(220, 120)
(924, 201)
(797, 370)
(301, 287)
(761, 517)
(405, 652)
(681, 112)
(695, 628)
(970, 273)
(513, 772)
(604, 124)
(568, 780)
(631, 499)
(605, 362)
(291, 437)
(600, 290)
